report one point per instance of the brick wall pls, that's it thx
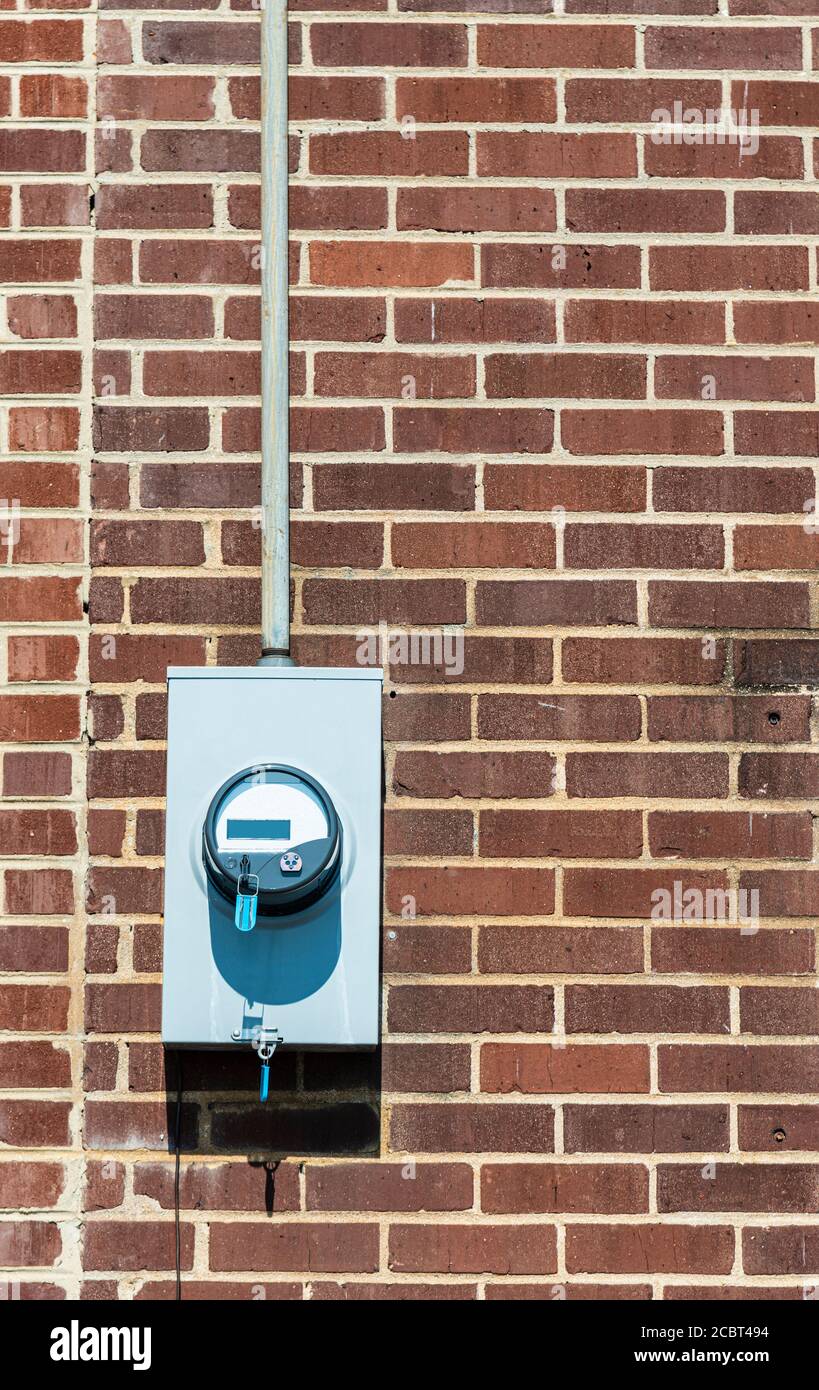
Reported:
(552, 381)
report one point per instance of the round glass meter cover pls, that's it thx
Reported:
(256, 818)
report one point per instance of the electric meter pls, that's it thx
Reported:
(272, 857)
(271, 841)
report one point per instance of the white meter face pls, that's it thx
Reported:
(269, 812)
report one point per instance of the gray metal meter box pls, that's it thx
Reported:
(272, 857)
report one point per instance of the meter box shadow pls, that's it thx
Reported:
(272, 859)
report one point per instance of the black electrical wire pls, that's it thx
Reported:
(178, 1149)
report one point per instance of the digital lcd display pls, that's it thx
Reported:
(258, 829)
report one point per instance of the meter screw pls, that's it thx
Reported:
(290, 862)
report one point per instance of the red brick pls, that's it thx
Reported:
(644, 210)
(37, 774)
(779, 1010)
(37, 150)
(738, 1067)
(719, 604)
(41, 41)
(575, 487)
(27, 1243)
(34, 1008)
(655, 1248)
(780, 1250)
(560, 156)
(516, 265)
(41, 541)
(775, 158)
(358, 601)
(481, 1249)
(34, 950)
(573, 375)
(135, 1245)
(42, 484)
(771, 322)
(779, 103)
(473, 545)
(42, 316)
(53, 94)
(601, 545)
(591, 718)
(37, 832)
(218, 1186)
(35, 430)
(723, 46)
(461, 891)
(39, 719)
(24, 1184)
(772, 214)
(731, 952)
(731, 489)
(728, 835)
(319, 1249)
(473, 775)
(728, 719)
(467, 320)
(30, 261)
(765, 432)
(537, 1187)
(387, 374)
(645, 1128)
(382, 153)
(736, 1187)
(464, 1127)
(770, 268)
(541, 46)
(629, 892)
(388, 45)
(531, 950)
(470, 1009)
(636, 660)
(122, 1008)
(542, 1068)
(602, 1008)
(641, 431)
(198, 262)
(735, 378)
(454, 99)
(634, 100)
(389, 263)
(321, 98)
(389, 1187)
(33, 1124)
(680, 775)
(154, 206)
(777, 1128)
(643, 321)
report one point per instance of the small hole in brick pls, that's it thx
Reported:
(779, 1135)
(393, 694)
(774, 716)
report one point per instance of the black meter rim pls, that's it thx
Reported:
(296, 895)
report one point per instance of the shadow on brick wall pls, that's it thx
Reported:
(321, 1104)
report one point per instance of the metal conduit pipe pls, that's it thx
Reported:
(275, 516)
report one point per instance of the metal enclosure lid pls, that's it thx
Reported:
(314, 979)
(289, 673)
